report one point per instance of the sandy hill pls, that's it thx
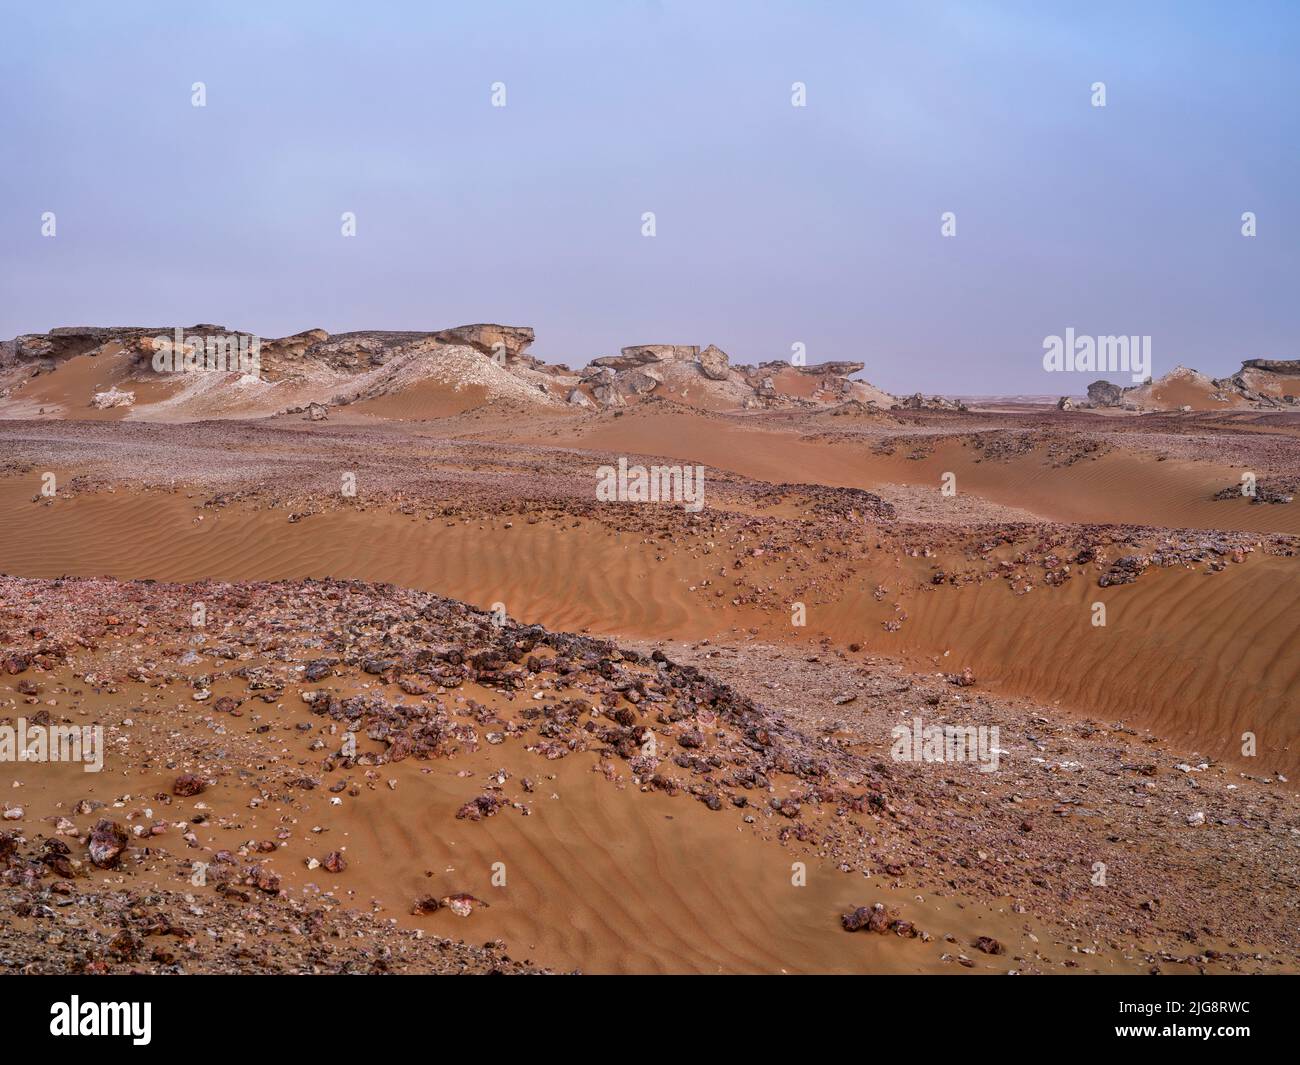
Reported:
(1183, 387)
(1260, 384)
(124, 373)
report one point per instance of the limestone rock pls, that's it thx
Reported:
(639, 382)
(112, 398)
(490, 338)
(608, 396)
(646, 354)
(714, 363)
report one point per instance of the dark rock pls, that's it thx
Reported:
(107, 842)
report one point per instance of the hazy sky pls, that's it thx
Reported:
(775, 224)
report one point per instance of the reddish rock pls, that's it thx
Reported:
(17, 663)
(188, 784)
(265, 879)
(107, 842)
(477, 809)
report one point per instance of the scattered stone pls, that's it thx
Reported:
(462, 905)
(188, 784)
(107, 842)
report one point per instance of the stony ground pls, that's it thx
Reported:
(1199, 862)
(1120, 842)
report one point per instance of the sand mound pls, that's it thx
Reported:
(433, 380)
(69, 388)
(1183, 388)
(1260, 384)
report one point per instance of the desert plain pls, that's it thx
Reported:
(386, 683)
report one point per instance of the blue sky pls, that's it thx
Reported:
(775, 224)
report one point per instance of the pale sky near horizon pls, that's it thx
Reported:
(775, 224)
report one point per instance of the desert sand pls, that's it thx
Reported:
(447, 709)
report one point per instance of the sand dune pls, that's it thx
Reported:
(1198, 658)
(423, 401)
(1120, 487)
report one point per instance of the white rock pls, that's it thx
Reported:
(112, 398)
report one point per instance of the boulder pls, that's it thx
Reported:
(490, 338)
(714, 363)
(1105, 394)
(112, 398)
(639, 382)
(608, 396)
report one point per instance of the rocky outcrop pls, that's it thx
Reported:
(714, 363)
(69, 341)
(490, 338)
(1105, 394)
(317, 366)
(608, 396)
(647, 354)
(1265, 383)
(354, 352)
(680, 369)
(348, 353)
(1260, 383)
(916, 401)
(1290, 367)
(639, 382)
(831, 369)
